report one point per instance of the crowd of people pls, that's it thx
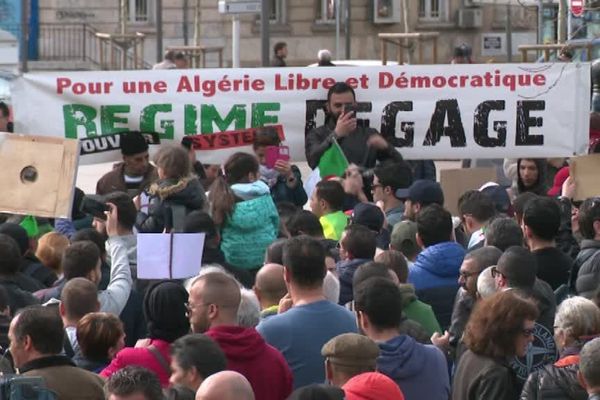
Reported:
(366, 287)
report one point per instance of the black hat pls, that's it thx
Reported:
(368, 215)
(165, 311)
(133, 143)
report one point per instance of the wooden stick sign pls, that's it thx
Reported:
(38, 175)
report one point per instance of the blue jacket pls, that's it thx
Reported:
(435, 277)
(252, 226)
(345, 271)
(419, 370)
(437, 265)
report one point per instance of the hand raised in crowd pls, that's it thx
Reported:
(569, 188)
(285, 304)
(378, 142)
(346, 123)
(353, 183)
(112, 221)
(137, 201)
(283, 167)
(442, 342)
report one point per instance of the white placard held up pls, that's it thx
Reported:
(169, 255)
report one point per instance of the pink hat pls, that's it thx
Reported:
(560, 178)
(372, 386)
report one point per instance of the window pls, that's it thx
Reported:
(140, 11)
(277, 12)
(326, 11)
(433, 10)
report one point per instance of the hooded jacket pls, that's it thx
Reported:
(165, 196)
(419, 370)
(417, 311)
(252, 226)
(435, 277)
(248, 353)
(345, 271)
(554, 383)
(142, 357)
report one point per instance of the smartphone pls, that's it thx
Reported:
(94, 207)
(276, 153)
(350, 108)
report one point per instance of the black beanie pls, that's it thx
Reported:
(18, 233)
(165, 311)
(133, 143)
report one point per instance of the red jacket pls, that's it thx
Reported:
(142, 357)
(249, 354)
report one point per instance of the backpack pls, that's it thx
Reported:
(18, 387)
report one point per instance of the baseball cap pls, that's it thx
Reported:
(351, 350)
(423, 191)
(404, 234)
(372, 386)
(499, 197)
(368, 215)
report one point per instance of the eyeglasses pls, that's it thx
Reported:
(191, 306)
(527, 332)
(466, 275)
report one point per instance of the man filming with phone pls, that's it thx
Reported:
(361, 145)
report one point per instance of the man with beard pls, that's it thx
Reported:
(362, 145)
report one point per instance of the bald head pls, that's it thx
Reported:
(270, 285)
(220, 296)
(225, 385)
(79, 297)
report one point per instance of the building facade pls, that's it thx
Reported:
(305, 25)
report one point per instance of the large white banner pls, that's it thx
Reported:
(427, 112)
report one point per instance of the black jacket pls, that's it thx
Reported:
(441, 300)
(215, 256)
(587, 268)
(166, 196)
(354, 146)
(565, 241)
(478, 377)
(554, 266)
(17, 297)
(553, 383)
(27, 283)
(543, 294)
(33, 268)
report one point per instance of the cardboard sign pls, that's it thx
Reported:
(584, 170)
(38, 175)
(455, 182)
